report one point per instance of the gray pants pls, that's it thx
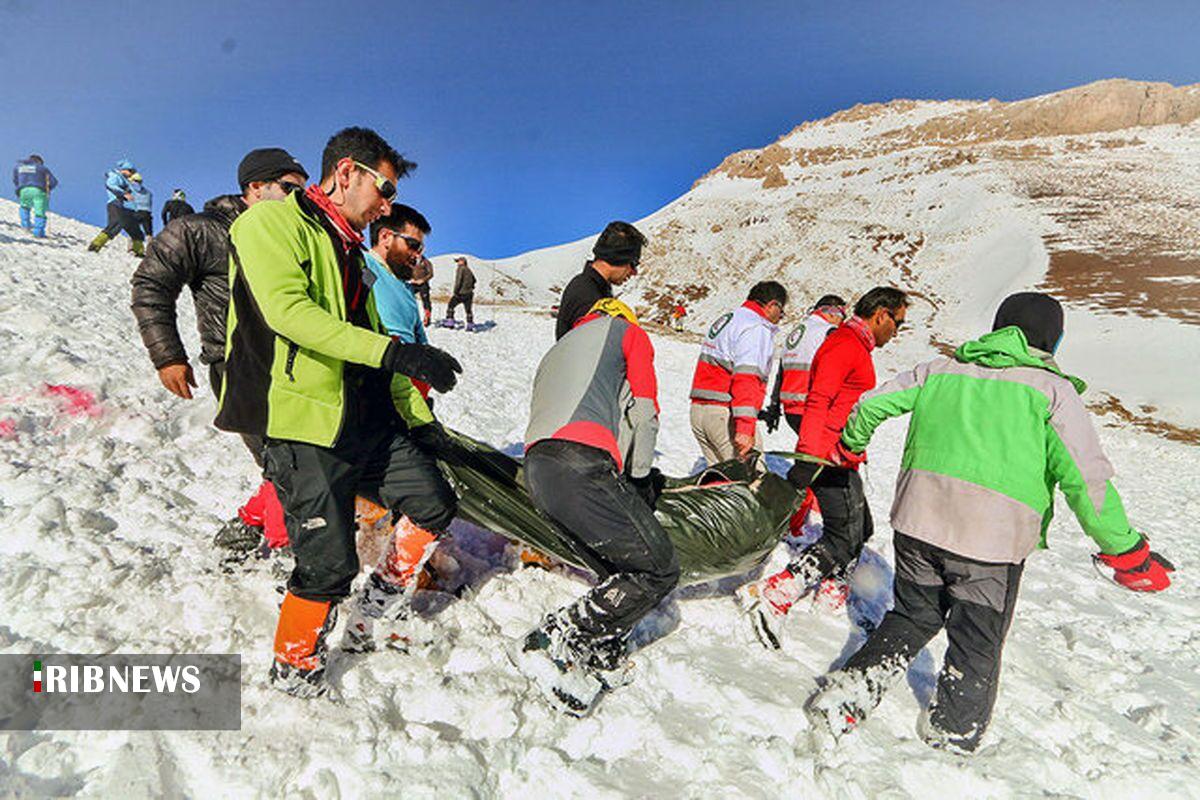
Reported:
(712, 426)
(974, 602)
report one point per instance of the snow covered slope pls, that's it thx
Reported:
(1091, 192)
(110, 490)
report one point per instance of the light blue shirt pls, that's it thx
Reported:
(396, 303)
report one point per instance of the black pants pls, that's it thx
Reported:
(317, 487)
(421, 290)
(466, 300)
(974, 601)
(255, 444)
(121, 218)
(145, 222)
(846, 518)
(613, 530)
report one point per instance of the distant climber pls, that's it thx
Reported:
(463, 292)
(142, 205)
(120, 217)
(177, 206)
(33, 182)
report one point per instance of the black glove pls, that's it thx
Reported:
(770, 415)
(650, 486)
(433, 439)
(803, 473)
(423, 362)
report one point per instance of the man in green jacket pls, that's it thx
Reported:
(308, 367)
(993, 430)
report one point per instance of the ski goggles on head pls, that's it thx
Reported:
(386, 188)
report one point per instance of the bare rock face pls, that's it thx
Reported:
(1110, 105)
(774, 178)
(1100, 107)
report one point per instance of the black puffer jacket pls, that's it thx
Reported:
(191, 251)
(176, 208)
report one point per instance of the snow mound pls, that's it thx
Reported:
(110, 490)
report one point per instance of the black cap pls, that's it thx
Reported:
(619, 243)
(267, 164)
(1039, 316)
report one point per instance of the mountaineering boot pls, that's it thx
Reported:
(831, 594)
(571, 672)
(239, 538)
(390, 587)
(845, 698)
(39, 226)
(25, 223)
(836, 708)
(300, 648)
(767, 601)
(138, 248)
(99, 242)
(941, 739)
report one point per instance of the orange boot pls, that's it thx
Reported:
(392, 582)
(300, 648)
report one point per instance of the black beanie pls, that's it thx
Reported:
(267, 164)
(1039, 316)
(619, 243)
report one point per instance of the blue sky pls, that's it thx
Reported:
(533, 123)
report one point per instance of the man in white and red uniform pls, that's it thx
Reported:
(799, 348)
(730, 382)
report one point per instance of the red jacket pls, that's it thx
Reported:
(841, 371)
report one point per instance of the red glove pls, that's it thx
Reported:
(1139, 569)
(843, 456)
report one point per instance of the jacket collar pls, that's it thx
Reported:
(595, 277)
(226, 207)
(345, 231)
(758, 309)
(859, 327)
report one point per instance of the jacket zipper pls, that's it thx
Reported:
(293, 348)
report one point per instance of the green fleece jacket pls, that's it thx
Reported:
(288, 337)
(993, 431)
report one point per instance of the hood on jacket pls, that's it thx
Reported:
(226, 207)
(1007, 347)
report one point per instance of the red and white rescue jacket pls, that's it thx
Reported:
(798, 351)
(735, 364)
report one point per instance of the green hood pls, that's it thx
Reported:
(1007, 348)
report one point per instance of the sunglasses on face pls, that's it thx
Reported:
(289, 187)
(416, 245)
(386, 189)
(899, 323)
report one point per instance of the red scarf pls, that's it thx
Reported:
(862, 330)
(352, 282)
(350, 237)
